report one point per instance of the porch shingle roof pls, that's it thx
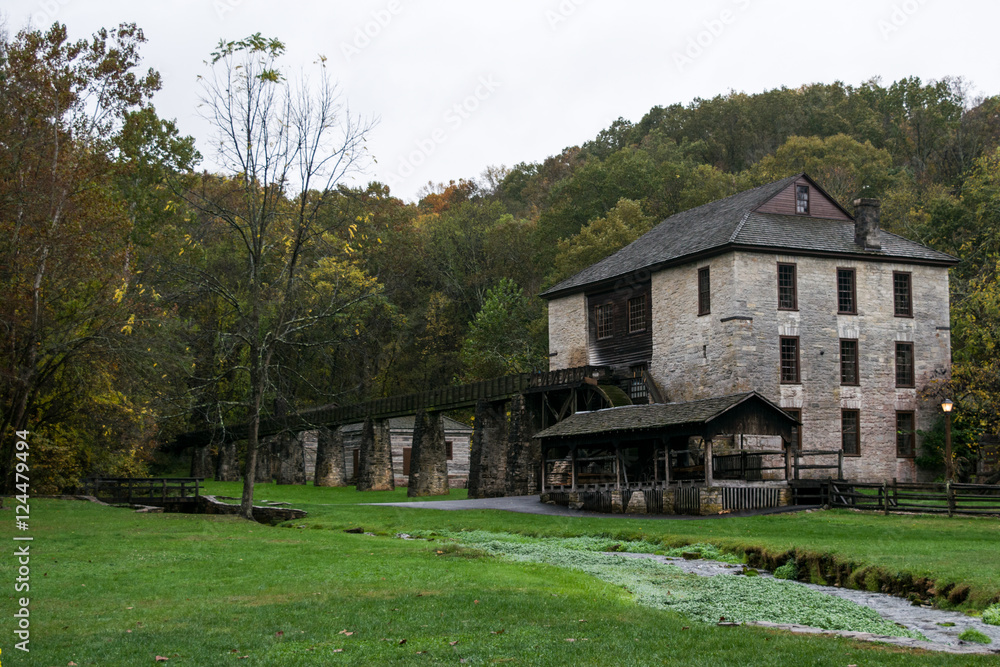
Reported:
(648, 417)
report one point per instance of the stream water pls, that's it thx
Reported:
(932, 623)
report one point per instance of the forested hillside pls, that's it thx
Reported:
(142, 297)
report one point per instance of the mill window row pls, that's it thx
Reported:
(850, 432)
(847, 299)
(850, 375)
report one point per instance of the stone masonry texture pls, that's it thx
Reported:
(375, 463)
(488, 463)
(429, 457)
(330, 464)
(735, 348)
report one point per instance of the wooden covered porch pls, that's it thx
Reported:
(669, 452)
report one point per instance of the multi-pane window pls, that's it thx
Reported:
(902, 294)
(848, 361)
(787, 296)
(802, 199)
(789, 360)
(850, 432)
(846, 295)
(904, 365)
(905, 435)
(704, 292)
(637, 314)
(605, 321)
(637, 389)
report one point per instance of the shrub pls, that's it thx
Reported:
(787, 571)
(976, 636)
(992, 614)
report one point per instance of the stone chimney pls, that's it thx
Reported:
(866, 231)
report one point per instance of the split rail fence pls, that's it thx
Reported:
(891, 496)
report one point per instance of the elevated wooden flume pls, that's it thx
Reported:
(435, 400)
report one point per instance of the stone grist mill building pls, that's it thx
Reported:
(727, 357)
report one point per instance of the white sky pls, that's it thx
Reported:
(548, 73)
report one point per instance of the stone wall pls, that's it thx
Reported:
(736, 347)
(568, 332)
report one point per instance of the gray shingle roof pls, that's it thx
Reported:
(725, 223)
(645, 417)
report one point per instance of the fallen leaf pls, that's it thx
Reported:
(571, 640)
(685, 628)
(130, 607)
(402, 641)
(161, 658)
(345, 633)
(475, 602)
(71, 664)
(279, 633)
(421, 652)
(497, 632)
(242, 657)
(452, 643)
(128, 631)
(338, 650)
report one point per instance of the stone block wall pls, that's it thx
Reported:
(568, 332)
(736, 347)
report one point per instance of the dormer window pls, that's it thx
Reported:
(802, 199)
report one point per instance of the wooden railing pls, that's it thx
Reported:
(439, 400)
(143, 490)
(935, 498)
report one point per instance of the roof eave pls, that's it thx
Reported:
(611, 283)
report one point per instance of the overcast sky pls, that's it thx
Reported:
(459, 86)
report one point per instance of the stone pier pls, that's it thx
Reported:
(490, 446)
(330, 469)
(524, 452)
(375, 457)
(292, 468)
(227, 467)
(429, 457)
(262, 471)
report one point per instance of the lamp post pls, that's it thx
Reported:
(947, 405)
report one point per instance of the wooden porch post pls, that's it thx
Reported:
(572, 468)
(708, 462)
(666, 462)
(543, 468)
(618, 468)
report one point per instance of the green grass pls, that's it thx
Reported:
(208, 590)
(959, 550)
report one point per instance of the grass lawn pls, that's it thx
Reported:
(112, 587)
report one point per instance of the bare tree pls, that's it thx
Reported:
(284, 147)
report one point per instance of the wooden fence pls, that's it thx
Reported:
(143, 491)
(892, 496)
